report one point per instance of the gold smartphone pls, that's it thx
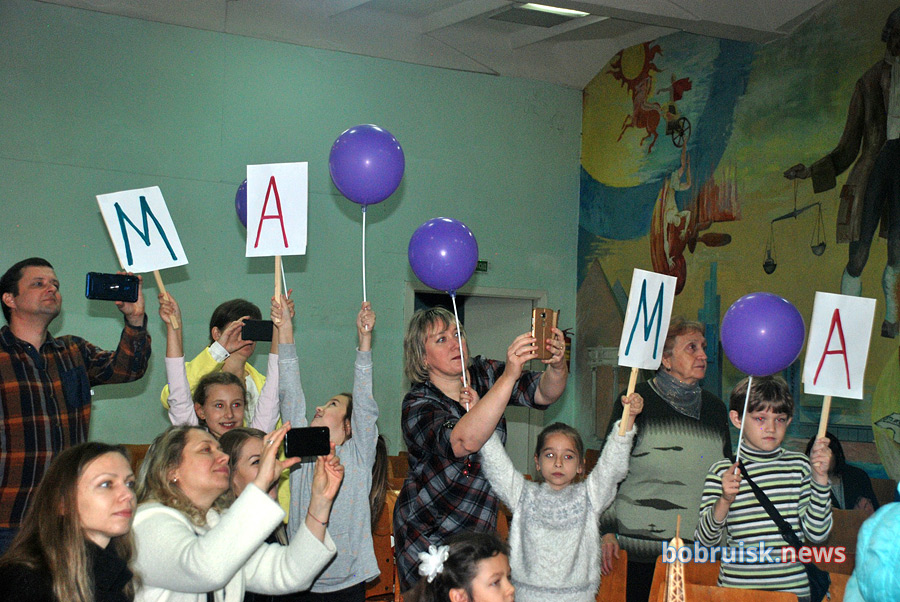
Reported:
(543, 321)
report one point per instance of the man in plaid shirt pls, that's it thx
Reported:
(45, 381)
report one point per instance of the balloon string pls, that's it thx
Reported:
(364, 252)
(462, 357)
(743, 419)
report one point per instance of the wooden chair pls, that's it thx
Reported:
(398, 465)
(700, 584)
(884, 490)
(844, 531)
(137, 453)
(382, 588)
(612, 586)
(701, 573)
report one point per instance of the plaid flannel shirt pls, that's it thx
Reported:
(45, 403)
(443, 494)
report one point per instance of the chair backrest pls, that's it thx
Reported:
(383, 585)
(612, 586)
(884, 490)
(137, 453)
(712, 593)
(700, 573)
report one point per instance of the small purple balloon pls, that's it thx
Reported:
(366, 164)
(443, 253)
(240, 202)
(762, 334)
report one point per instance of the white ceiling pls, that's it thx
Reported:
(469, 35)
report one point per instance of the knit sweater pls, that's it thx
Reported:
(350, 523)
(785, 478)
(670, 457)
(179, 561)
(554, 538)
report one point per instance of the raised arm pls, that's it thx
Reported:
(476, 426)
(365, 409)
(716, 496)
(612, 466)
(505, 480)
(292, 401)
(178, 400)
(553, 380)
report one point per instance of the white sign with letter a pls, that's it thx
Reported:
(838, 345)
(647, 319)
(277, 199)
(141, 229)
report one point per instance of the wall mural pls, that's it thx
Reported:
(694, 164)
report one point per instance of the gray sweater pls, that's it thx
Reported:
(554, 538)
(350, 524)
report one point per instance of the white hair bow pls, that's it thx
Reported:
(431, 563)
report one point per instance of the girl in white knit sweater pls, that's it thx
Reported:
(554, 536)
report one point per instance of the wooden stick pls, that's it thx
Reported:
(632, 381)
(678, 526)
(823, 419)
(278, 278)
(162, 289)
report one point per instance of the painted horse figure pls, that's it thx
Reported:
(645, 115)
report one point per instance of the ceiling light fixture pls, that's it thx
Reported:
(554, 10)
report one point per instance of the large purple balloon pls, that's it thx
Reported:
(366, 164)
(443, 253)
(240, 202)
(762, 334)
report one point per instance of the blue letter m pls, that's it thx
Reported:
(143, 233)
(648, 321)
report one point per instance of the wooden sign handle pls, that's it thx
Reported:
(823, 419)
(632, 381)
(162, 289)
(278, 278)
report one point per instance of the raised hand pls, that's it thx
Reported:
(133, 312)
(634, 404)
(168, 308)
(270, 467)
(522, 349)
(365, 324)
(556, 346)
(230, 338)
(820, 460)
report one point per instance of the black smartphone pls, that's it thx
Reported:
(257, 330)
(112, 287)
(309, 441)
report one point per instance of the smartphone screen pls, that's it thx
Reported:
(257, 330)
(309, 441)
(111, 287)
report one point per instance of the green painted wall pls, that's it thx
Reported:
(93, 103)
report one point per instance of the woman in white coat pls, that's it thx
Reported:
(190, 549)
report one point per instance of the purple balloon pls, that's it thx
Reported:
(366, 164)
(762, 334)
(443, 253)
(240, 202)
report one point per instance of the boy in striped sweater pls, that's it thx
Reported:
(731, 515)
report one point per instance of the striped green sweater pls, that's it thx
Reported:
(785, 478)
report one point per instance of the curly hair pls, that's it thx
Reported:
(154, 485)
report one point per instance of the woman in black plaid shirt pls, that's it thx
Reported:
(445, 491)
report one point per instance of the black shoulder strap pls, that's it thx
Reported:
(783, 526)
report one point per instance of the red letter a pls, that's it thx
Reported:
(835, 321)
(273, 188)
